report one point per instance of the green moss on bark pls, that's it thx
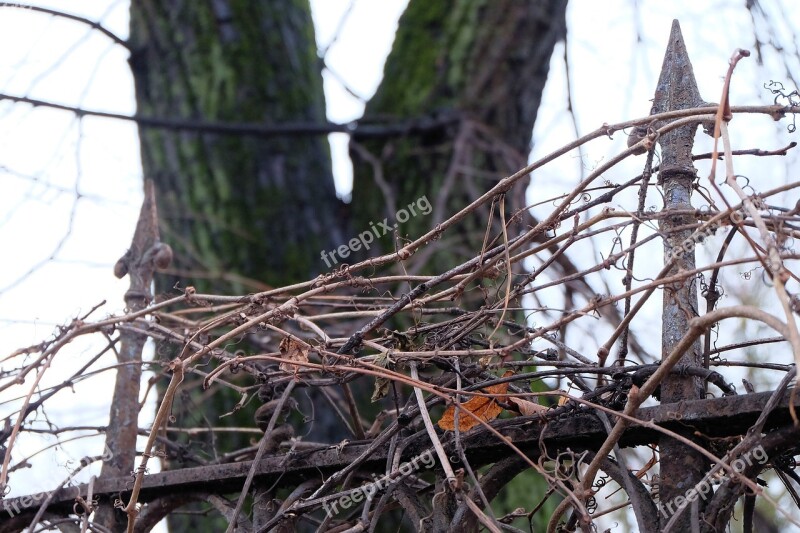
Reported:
(487, 63)
(223, 199)
(232, 207)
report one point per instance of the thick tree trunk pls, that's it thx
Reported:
(470, 74)
(241, 212)
(235, 206)
(476, 68)
(238, 209)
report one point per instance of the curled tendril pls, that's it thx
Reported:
(617, 241)
(600, 482)
(746, 186)
(81, 507)
(591, 505)
(789, 99)
(703, 286)
(718, 293)
(343, 271)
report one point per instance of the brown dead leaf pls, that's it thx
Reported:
(381, 384)
(527, 408)
(293, 350)
(381, 389)
(484, 407)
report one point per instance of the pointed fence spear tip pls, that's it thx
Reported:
(676, 89)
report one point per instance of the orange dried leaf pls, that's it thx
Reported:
(484, 408)
(293, 350)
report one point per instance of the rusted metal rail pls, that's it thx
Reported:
(719, 417)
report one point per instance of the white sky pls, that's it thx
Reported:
(48, 156)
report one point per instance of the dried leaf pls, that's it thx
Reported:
(562, 400)
(381, 384)
(527, 408)
(293, 350)
(484, 407)
(403, 341)
(381, 389)
(486, 360)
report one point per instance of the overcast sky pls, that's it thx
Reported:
(71, 188)
(48, 156)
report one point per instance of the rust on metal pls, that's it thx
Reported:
(680, 466)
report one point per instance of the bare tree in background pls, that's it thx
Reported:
(247, 207)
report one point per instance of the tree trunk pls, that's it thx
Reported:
(241, 212)
(247, 211)
(472, 72)
(235, 206)
(469, 75)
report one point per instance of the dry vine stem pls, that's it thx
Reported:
(413, 342)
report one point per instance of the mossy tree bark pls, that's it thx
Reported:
(241, 212)
(236, 206)
(477, 68)
(245, 211)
